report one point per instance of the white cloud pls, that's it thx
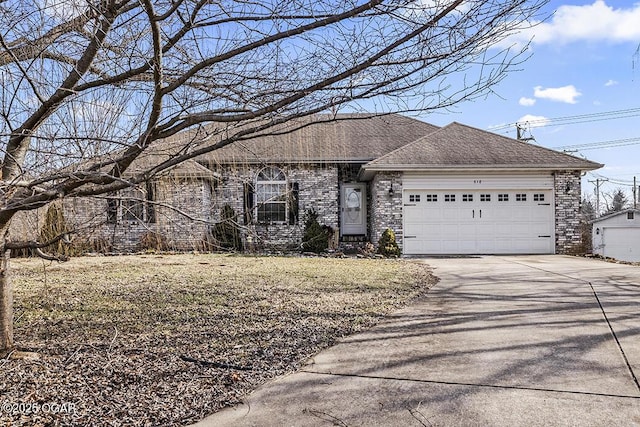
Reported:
(424, 8)
(65, 9)
(611, 83)
(533, 121)
(596, 22)
(567, 94)
(526, 102)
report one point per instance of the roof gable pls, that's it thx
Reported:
(615, 214)
(458, 146)
(190, 169)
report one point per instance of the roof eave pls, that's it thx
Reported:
(369, 170)
(613, 214)
(289, 161)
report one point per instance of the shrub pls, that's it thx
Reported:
(315, 237)
(226, 234)
(55, 225)
(83, 245)
(387, 244)
(152, 241)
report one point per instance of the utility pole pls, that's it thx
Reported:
(635, 189)
(520, 130)
(598, 182)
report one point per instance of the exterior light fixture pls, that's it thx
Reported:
(391, 190)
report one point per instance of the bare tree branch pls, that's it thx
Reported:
(105, 98)
(33, 244)
(17, 146)
(25, 48)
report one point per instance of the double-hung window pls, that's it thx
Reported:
(271, 195)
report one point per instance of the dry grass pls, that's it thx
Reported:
(116, 337)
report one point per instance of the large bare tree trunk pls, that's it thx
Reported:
(6, 304)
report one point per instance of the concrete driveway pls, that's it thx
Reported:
(499, 341)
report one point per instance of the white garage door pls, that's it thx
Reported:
(622, 243)
(441, 221)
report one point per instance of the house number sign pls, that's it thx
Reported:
(477, 181)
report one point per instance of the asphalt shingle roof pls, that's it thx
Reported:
(350, 138)
(458, 146)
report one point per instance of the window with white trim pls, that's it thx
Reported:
(271, 195)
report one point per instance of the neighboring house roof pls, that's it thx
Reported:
(457, 146)
(614, 214)
(343, 138)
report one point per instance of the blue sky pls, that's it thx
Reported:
(586, 63)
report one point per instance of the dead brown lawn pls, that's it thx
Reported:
(170, 339)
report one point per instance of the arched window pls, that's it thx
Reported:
(271, 195)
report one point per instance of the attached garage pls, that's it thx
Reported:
(618, 235)
(511, 214)
(468, 191)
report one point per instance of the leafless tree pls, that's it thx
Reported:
(615, 200)
(88, 86)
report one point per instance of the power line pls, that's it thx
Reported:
(626, 183)
(601, 144)
(582, 118)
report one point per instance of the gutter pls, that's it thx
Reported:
(368, 171)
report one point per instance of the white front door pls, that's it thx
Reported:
(353, 209)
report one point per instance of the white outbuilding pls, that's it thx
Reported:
(617, 235)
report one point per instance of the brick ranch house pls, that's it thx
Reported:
(449, 190)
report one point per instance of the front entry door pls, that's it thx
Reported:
(354, 209)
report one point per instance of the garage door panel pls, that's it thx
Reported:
(412, 214)
(464, 229)
(449, 230)
(486, 230)
(486, 246)
(453, 214)
(520, 213)
(478, 224)
(620, 243)
(539, 245)
(540, 230)
(503, 215)
(503, 245)
(413, 246)
(450, 247)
